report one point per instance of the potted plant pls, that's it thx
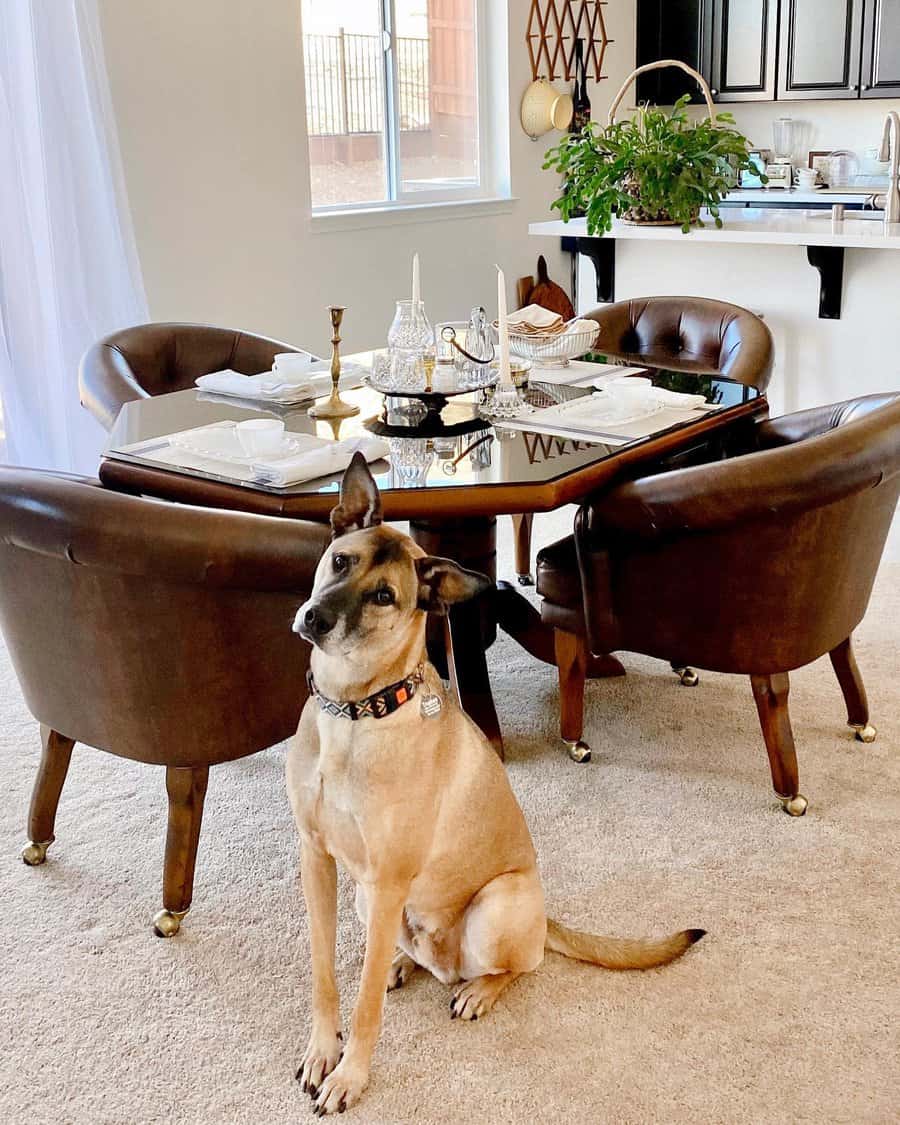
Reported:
(659, 167)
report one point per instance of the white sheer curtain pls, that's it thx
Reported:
(68, 268)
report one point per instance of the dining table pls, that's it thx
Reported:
(450, 475)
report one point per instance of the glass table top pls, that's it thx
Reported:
(471, 451)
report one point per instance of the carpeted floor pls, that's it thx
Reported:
(788, 1011)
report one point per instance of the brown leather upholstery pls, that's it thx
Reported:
(153, 359)
(688, 334)
(154, 631)
(758, 564)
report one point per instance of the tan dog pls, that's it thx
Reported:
(415, 804)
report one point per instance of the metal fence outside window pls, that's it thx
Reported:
(344, 84)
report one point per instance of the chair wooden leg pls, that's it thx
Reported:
(847, 671)
(771, 695)
(186, 789)
(571, 663)
(522, 524)
(55, 758)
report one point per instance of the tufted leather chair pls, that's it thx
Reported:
(691, 334)
(755, 565)
(688, 334)
(153, 359)
(154, 631)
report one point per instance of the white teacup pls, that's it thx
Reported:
(806, 178)
(633, 389)
(260, 436)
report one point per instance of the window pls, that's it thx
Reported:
(392, 102)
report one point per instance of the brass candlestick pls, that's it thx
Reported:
(334, 406)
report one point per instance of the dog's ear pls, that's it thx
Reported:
(360, 505)
(443, 582)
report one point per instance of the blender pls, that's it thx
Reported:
(781, 170)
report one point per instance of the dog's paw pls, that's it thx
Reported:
(342, 1088)
(323, 1053)
(475, 998)
(402, 968)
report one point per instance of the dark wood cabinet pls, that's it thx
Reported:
(743, 50)
(881, 49)
(671, 29)
(820, 48)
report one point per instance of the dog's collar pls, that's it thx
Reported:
(378, 705)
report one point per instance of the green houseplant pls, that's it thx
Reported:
(657, 167)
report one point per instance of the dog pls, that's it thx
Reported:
(388, 776)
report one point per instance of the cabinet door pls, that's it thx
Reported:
(820, 48)
(744, 40)
(881, 49)
(672, 29)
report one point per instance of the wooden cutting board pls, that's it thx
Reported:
(547, 293)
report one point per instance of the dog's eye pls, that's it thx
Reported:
(340, 563)
(383, 596)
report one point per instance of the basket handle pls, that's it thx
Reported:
(701, 82)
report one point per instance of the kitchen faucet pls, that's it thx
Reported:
(890, 150)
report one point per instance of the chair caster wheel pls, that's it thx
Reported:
(579, 751)
(865, 732)
(35, 853)
(795, 806)
(687, 676)
(525, 579)
(167, 923)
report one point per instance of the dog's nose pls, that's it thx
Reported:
(318, 621)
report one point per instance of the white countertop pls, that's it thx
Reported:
(822, 196)
(763, 226)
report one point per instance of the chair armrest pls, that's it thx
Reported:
(818, 420)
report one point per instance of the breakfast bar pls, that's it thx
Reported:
(824, 237)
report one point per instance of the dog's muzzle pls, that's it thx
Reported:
(314, 622)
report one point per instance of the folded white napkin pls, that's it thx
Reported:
(534, 318)
(282, 385)
(323, 461)
(581, 325)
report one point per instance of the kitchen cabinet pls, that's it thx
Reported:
(881, 49)
(671, 29)
(743, 50)
(771, 50)
(820, 49)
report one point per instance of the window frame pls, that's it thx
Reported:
(468, 191)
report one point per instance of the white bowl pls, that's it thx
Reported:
(260, 436)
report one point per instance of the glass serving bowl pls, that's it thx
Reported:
(553, 349)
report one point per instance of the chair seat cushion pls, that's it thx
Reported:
(558, 577)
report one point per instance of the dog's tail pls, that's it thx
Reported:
(618, 953)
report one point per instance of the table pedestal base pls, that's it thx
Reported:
(458, 644)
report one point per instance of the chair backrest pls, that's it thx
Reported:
(688, 334)
(761, 563)
(156, 631)
(153, 359)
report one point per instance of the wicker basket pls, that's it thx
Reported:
(636, 216)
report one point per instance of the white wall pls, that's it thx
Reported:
(208, 96)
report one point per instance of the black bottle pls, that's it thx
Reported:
(581, 103)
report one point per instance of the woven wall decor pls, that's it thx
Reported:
(553, 27)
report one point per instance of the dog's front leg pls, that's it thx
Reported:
(350, 1077)
(319, 876)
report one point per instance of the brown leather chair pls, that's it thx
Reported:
(154, 631)
(692, 334)
(153, 359)
(757, 565)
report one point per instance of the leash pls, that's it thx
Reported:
(381, 703)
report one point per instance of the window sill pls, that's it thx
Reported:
(402, 214)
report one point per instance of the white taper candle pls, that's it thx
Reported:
(505, 379)
(416, 293)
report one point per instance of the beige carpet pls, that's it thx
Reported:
(788, 1011)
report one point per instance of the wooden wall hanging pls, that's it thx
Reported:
(553, 27)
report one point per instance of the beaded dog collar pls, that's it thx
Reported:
(381, 703)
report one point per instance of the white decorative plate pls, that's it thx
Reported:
(219, 442)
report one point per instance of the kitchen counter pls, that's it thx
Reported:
(824, 238)
(751, 224)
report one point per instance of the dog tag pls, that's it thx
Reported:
(431, 705)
